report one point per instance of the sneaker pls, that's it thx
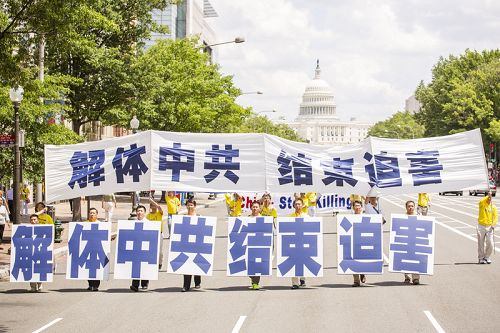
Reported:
(407, 281)
(95, 289)
(134, 288)
(32, 290)
(197, 287)
(295, 286)
(363, 278)
(302, 283)
(40, 287)
(183, 290)
(255, 286)
(356, 284)
(482, 261)
(488, 260)
(416, 281)
(89, 288)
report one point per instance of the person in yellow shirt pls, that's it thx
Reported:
(93, 284)
(298, 205)
(415, 278)
(358, 278)
(305, 200)
(41, 212)
(233, 203)
(156, 214)
(424, 202)
(25, 199)
(35, 286)
(487, 220)
(173, 205)
(255, 212)
(267, 208)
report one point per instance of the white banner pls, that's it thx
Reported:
(192, 245)
(300, 247)
(202, 162)
(89, 251)
(411, 245)
(137, 250)
(32, 253)
(359, 244)
(250, 246)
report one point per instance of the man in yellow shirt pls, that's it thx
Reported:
(424, 202)
(173, 205)
(233, 203)
(43, 217)
(298, 204)
(93, 284)
(25, 199)
(156, 214)
(487, 220)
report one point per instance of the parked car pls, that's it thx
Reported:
(493, 189)
(452, 192)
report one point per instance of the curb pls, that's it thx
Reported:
(60, 251)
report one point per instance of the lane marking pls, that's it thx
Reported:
(434, 322)
(238, 324)
(43, 328)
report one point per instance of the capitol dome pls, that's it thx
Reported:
(317, 100)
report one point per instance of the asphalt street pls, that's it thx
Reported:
(461, 296)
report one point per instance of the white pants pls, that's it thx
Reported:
(484, 233)
(312, 211)
(24, 210)
(109, 208)
(296, 280)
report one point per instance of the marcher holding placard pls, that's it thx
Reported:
(298, 204)
(357, 207)
(141, 216)
(415, 278)
(191, 211)
(255, 212)
(93, 284)
(35, 286)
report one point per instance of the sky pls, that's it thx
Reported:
(372, 53)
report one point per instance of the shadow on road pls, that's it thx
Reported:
(174, 290)
(393, 284)
(467, 263)
(15, 291)
(72, 290)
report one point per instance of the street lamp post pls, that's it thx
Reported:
(16, 96)
(237, 40)
(258, 92)
(134, 125)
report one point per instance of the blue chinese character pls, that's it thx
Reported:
(198, 231)
(259, 239)
(139, 253)
(362, 252)
(386, 171)
(32, 253)
(177, 164)
(338, 171)
(133, 166)
(425, 167)
(299, 247)
(218, 164)
(411, 245)
(294, 169)
(87, 168)
(93, 256)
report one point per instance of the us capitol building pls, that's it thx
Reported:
(317, 121)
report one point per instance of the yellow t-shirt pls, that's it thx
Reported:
(311, 197)
(488, 215)
(156, 217)
(234, 205)
(269, 211)
(45, 219)
(25, 192)
(302, 214)
(423, 199)
(173, 204)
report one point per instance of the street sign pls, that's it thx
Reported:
(7, 140)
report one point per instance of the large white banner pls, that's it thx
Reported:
(250, 246)
(89, 251)
(202, 162)
(411, 245)
(300, 247)
(32, 253)
(137, 250)
(192, 245)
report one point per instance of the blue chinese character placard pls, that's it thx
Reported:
(89, 251)
(250, 246)
(137, 250)
(300, 247)
(359, 244)
(192, 245)
(411, 248)
(31, 258)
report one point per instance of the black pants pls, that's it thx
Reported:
(10, 203)
(255, 279)
(144, 283)
(2, 228)
(94, 283)
(187, 281)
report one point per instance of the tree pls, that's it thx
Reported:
(177, 89)
(401, 125)
(464, 94)
(262, 124)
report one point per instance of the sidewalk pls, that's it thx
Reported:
(63, 213)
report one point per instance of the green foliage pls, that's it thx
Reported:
(402, 125)
(262, 124)
(176, 89)
(464, 94)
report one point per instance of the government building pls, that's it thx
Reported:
(317, 121)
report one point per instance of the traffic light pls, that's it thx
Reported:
(492, 152)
